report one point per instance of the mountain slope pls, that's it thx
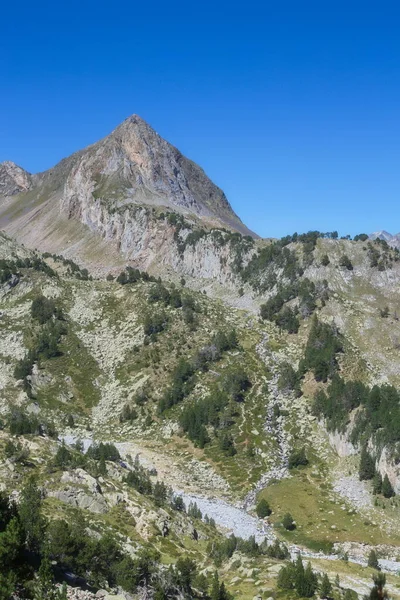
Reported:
(214, 400)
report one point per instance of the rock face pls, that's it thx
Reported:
(387, 466)
(341, 444)
(83, 492)
(13, 179)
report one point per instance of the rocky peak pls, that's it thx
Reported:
(392, 240)
(13, 179)
(139, 161)
(117, 189)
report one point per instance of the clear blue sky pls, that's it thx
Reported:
(293, 108)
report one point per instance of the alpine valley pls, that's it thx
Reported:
(187, 410)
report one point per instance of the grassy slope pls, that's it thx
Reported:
(100, 312)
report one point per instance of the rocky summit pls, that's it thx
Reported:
(186, 410)
(115, 189)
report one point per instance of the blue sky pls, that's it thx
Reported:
(293, 108)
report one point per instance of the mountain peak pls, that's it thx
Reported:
(392, 240)
(13, 179)
(152, 171)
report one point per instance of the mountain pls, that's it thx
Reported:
(392, 240)
(115, 189)
(13, 179)
(180, 382)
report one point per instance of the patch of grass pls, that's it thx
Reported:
(320, 521)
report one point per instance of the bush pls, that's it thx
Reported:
(263, 510)
(373, 562)
(154, 324)
(298, 458)
(43, 309)
(346, 262)
(227, 445)
(288, 522)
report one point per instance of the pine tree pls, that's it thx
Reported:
(310, 582)
(287, 577)
(218, 591)
(367, 466)
(30, 515)
(387, 489)
(377, 483)
(63, 457)
(45, 589)
(373, 560)
(378, 591)
(300, 579)
(326, 587)
(102, 469)
(11, 545)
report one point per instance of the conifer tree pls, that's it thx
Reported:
(45, 589)
(326, 587)
(377, 483)
(387, 489)
(30, 515)
(373, 560)
(378, 591)
(367, 466)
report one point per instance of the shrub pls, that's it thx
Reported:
(298, 458)
(227, 445)
(345, 261)
(155, 323)
(263, 510)
(288, 522)
(373, 562)
(43, 309)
